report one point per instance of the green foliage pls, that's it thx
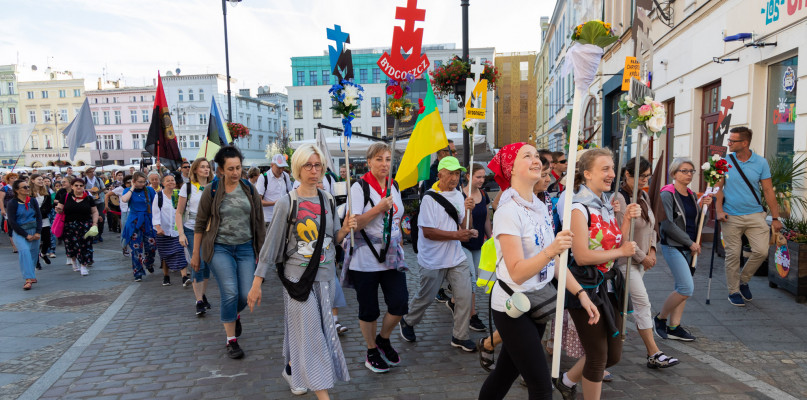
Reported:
(787, 175)
(597, 33)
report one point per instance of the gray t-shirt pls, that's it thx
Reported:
(234, 228)
(302, 239)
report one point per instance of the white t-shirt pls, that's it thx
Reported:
(124, 206)
(191, 205)
(272, 191)
(45, 220)
(363, 259)
(513, 219)
(433, 254)
(165, 217)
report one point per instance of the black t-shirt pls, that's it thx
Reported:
(690, 213)
(479, 215)
(78, 210)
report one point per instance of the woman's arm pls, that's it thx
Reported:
(156, 215)
(12, 218)
(127, 195)
(178, 214)
(38, 214)
(488, 224)
(94, 214)
(3, 202)
(585, 256)
(521, 269)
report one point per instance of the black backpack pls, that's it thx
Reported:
(441, 200)
(266, 181)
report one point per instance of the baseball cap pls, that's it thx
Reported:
(279, 160)
(451, 164)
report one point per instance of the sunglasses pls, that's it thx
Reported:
(735, 141)
(186, 166)
(561, 162)
(78, 185)
(24, 187)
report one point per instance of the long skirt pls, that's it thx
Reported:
(143, 249)
(171, 252)
(75, 245)
(311, 343)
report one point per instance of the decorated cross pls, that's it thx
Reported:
(406, 40)
(724, 121)
(476, 90)
(341, 59)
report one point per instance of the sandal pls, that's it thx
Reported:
(661, 360)
(27, 285)
(485, 356)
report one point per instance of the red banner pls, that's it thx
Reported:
(394, 64)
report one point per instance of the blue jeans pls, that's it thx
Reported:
(679, 266)
(28, 253)
(204, 270)
(234, 269)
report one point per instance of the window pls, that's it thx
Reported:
(298, 133)
(181, 119)
(96, 100)
(452, 105)
(63, 114)
(452, 127)
(326, 77)
(142, 98)
(201, 95)
(260, 122)
(248, 121)
(62, 93)
(12, 115)
(108, 142)
(202, 119)
(46, 116)
(114, 99)
(375, 106)
(95, 117)
(11, 88)
(48, 142)
(362, 75)
(117, 117)
(106, 117)
(377, 131)
(589, 119)
(298, 109)
(145, 116)
(193, 141)
(44, 94)
(312, 78)
(34, 141)
(523, 69)
(376, 75)
(357, 113)
(300, 78)
(107, 100)
(133, 99)
(260, 142)
(30, 95)
(334, 114)
(190, 94)
(138, 141)
(133, 116)
(317, 109)
(181, 97)
(357, 129)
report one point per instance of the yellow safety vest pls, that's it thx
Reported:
(486, 273)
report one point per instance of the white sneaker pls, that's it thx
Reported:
(84, 271)
(69, 262)
(294, 390)
(76, 267)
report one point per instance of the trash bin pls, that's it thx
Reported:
(788, 269)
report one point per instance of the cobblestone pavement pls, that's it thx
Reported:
(155, 347)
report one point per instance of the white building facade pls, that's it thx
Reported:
(122, 117)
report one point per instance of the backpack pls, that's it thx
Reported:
(266, 181)
(215, 185)
(382, 255)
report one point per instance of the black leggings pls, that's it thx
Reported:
(522, 353)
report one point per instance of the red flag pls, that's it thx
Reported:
(161, 141)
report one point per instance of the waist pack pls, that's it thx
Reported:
(542, 302)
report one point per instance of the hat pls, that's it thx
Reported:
(279, 160)
(451, 164)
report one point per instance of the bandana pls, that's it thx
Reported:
(198, 186)
(502, 164)
(27, 200)
(373, 182)
(83, 195)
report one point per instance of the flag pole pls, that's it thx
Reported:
(469, 174)
(388, 236)
(347, 178)
(567, 221)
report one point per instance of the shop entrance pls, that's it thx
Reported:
(709, 127)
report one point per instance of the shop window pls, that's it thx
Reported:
(781, 109)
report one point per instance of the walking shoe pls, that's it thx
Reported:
(476, 324)
(442, 297)
(38, 266)
(150, 269)
(84, 271)
(736, 299)
(69, 262)
(745, 291)
(679, 333)
(387, 352)
(374, 362)
(450, 305)
(466, 345)
(166, 280)
(138, 278)
(238, 326)
(52, 255)
(661, 360)
(485, 356)
(234, 350)
(407, 331)
(294, 390)
(126, 252)
(568, 393)
(340, 329)
(204, 300)
(186, 281)
(200, 309)
(660, 327)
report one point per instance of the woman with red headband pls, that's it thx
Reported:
(526, 252)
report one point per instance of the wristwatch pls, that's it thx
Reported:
(774, 219)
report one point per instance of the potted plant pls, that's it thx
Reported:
(786, 177)
(790, 260)
(449, 78)
(237, 130)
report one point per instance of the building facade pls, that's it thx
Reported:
(122, 116)
(13, 132)
(516, 97)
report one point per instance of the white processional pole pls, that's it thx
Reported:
(347, 180)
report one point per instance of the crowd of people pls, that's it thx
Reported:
(212, 217)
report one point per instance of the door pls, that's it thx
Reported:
(709, 127)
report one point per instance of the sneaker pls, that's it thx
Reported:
(568, 393)
(736, 299)
(745, 291)
(84, 271)
(374, 362)
(186, 281)
(69, 262)
(466, 345)
(387, 352)
(679, 333)
(138, 279)
(234, 350)
(166, 280)
(661, 360)
(38, 266)
(238, 326)
(407, 331)
(450, 305)
(340, 329)
(442, 297)
(52, 255)
(126, 252)
(294, 390)
(150, 269)
(660, 327)
(200, 309)
(476, 324)
(207, 304)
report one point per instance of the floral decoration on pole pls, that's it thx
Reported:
(237, 130)
(346, 96)
(650, 115)
(713, 171)
(445, 77)
(398, 105)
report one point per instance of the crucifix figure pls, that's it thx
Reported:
(470, 83)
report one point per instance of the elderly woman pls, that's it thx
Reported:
(187, 207)
(6, 191)
(376, 260)
(643, 260)
(678, 234)
(80, 218)
(25, 222)
(228, 235)
(307, 222)
(138, 232)
(526, 248)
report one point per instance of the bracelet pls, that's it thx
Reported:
(578, 292)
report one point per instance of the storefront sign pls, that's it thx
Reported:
(632, 70)
(789, 80)
(774, 9)
(394, 64)
(784, 113)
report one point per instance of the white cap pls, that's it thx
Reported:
(279, 160)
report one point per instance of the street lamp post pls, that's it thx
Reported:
(227, 58)
(466, 150)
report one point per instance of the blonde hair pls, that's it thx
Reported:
(194, 166)
(253, 172)
(376, 149)
(586, 162)
(301, 156)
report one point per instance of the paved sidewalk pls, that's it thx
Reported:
(153, 346)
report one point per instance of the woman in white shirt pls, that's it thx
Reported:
(163, 213)
(526, 250)
(187, 206)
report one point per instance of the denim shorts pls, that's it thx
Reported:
(678, 260)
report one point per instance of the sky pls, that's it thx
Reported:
(133, 39)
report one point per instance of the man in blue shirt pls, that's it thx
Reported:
(739, 207)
